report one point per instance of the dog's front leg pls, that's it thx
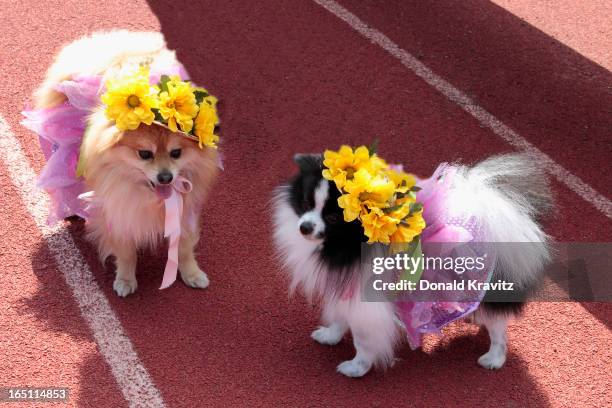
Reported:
(191, 273)
(125, 279)
(329, 335)
(334, 317)
(364, 358)
(374, 337)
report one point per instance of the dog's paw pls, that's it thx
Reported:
(354, 368)
(327, 335)
(492, 360)
(197, 279)
(124, 287)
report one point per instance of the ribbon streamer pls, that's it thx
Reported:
(172, 223)
(172, 227)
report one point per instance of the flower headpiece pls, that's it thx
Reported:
(174, 104)
(381, 196)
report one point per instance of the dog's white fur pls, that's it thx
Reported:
(508, 217)
(130, 214)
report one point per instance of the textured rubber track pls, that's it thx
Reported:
(294, 78)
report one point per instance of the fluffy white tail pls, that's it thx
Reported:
(509, 193)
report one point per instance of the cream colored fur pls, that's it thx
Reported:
(131, 215)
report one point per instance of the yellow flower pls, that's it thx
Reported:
(211, 100)
(376, 164)
(409, 228)
(129, 100)
(178, 105)
(377, 194)
(343, 164)
(376, 189)
(205, 123)
(403, 181)
(402, 210)
(351, 206)
(378, 226)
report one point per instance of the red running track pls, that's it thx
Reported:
(294, 78)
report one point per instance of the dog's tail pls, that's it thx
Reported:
(95, 54)
(510, 194)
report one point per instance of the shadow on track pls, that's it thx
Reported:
(550, 94)
(279, 90)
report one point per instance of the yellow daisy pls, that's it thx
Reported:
(178, 105)
(400, 208)
(403, 181)
(206, 121)
(350, 205)
(376, 164)
(380, 196)
(376, 189)
(378, 226)
(409, 228)
(343, 164)
(129, 100)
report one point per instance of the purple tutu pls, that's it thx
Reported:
(61, 129)
(445, 234)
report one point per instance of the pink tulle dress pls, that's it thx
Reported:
(446, 235)
(60, 130)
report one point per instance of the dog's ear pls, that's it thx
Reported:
(309, 162)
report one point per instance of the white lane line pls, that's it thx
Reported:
(485, 118)
(114, 344)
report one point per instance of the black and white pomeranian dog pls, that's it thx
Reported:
(509, 194)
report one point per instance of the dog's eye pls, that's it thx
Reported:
(175, 153)
(145, 154)
(332, 218)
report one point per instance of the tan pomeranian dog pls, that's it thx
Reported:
(131, 171)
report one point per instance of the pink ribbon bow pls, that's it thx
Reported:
(172, 224)
(172, 227)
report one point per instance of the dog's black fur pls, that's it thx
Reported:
(341, 247)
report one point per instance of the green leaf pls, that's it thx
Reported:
(415, 207)
(414, 251)
(373, 148)
(392, 208)
(200, 95)
(163, 83)
(158, 116)
(408, 193)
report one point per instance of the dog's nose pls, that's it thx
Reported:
(164, 177)
(306, 228)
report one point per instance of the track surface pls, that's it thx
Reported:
(294, 78)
